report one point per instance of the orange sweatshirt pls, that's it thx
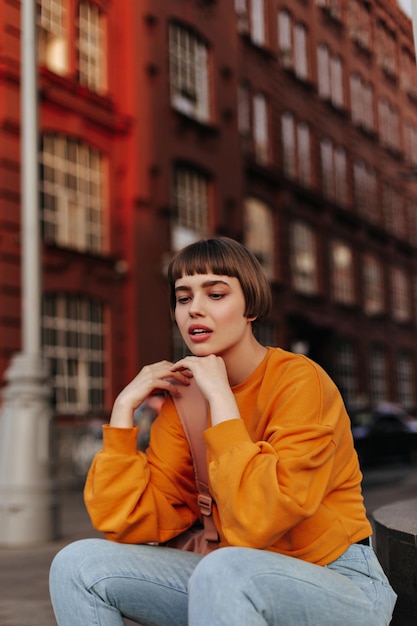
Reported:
(285, 477)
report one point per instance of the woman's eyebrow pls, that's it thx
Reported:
(213, 283)
(182, 288)
(205, 285)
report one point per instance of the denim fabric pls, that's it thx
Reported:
(94, 582)
(256, 588)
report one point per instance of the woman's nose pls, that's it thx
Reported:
(196, 308)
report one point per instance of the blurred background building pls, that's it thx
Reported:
(288, 125)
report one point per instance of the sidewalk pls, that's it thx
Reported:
(24, 595)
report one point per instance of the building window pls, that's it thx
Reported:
(347, 371)
(334, 172)
(366, 191)
(73, 342)
(253, 124)
(336, 81)
(342, 273)
(91, 47)
(191, 200)
(373, 286)
(251, 20)
(386, 49)
(378, 375)
(259, 233)
(305, 173)
(359, 23)
(389, 124)
(241, 8)
(330, 76)
(362, 102)
(332, 7)
(72, 194)
(52, 35)
(400, 295)
(189, 73)
(304, 265)
(289, 148)
(300, 51)
(258, 22)
(393, 210)
(296, 149)
(340, 176)
(285, 39)
(405, 380)
(260, 128)
(323, 71)
(408, 74)
(410, 143)
(244, 117)
(293, 45)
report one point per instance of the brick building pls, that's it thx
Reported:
(289, 125)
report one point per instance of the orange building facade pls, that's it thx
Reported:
(291, 126)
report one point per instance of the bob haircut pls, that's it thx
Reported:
(225, 257)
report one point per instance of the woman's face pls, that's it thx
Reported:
(210, 313)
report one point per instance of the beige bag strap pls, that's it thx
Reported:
(192, 410)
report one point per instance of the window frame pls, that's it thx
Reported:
(293, 41)
(189, 73)
(91, 47)
(304, 258)
(191, 201)
(378, 373)
(343, 286)
(72, 184)
(374, 296)
(259, 233)
(74, 332)
(260, 128)
(52, 26)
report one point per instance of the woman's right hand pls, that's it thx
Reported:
(151, 378)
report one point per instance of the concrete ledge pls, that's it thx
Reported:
(396, 547)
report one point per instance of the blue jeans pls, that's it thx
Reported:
(95, 582)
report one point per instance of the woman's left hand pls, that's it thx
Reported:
(210, 375)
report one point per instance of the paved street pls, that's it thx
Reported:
(24, 598)
(382, 486)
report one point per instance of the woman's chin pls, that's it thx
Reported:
(200, 350)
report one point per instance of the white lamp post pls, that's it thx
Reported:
(27, 506)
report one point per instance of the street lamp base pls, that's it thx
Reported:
(28, 505)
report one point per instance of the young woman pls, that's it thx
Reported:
(295, 541)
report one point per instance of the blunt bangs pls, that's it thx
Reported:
(224, 257)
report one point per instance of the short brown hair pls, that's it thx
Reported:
(225, 257)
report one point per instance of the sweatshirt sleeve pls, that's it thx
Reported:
(133, 497)
(265, 487)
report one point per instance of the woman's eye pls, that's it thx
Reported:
(217, 296)
(183, 300)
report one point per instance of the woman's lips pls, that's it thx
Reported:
(199, 334)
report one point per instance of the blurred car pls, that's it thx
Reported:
(387, 433)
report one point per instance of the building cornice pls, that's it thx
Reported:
(68, 93)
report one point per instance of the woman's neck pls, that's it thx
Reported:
(241, 363)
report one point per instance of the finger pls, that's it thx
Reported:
(185, 372)
(167, 386)
(180, 377)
